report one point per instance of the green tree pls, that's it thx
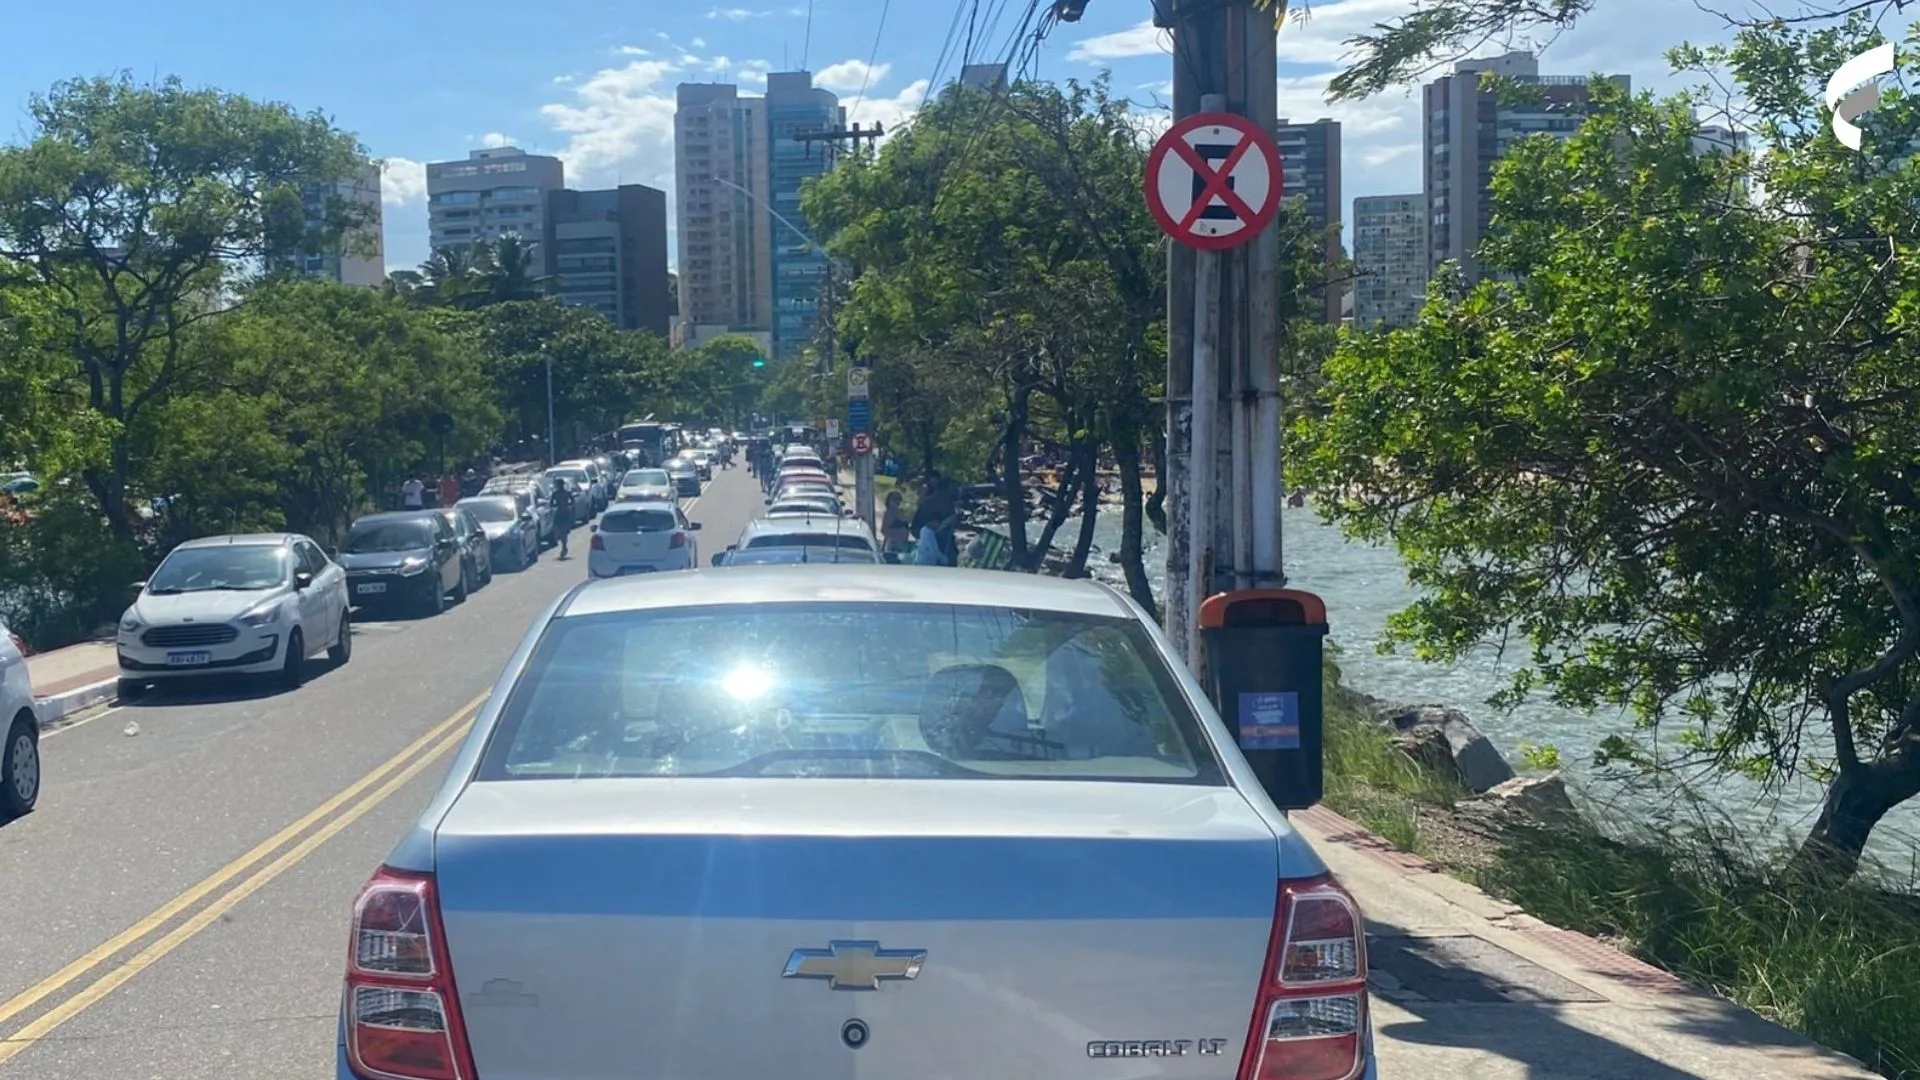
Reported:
(1674, 444)
(137, 209)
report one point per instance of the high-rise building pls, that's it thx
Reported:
(1390, 255)
(796, 107)
(607, 250)
(496, 192)
(1310, 168)
(721, 198)
(1467, 130)
(358, 258)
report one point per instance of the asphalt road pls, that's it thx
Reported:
(177, 905)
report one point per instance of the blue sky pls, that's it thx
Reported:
(593, 81)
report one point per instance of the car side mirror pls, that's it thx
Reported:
(594, 528)
(693, 526)
(137, 588)
(302, 580)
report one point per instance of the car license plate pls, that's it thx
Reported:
(189, 659)
(366, 587)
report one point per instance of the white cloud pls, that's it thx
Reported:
(889, 112)
(495, 138)
(736, 14)
(1141, 39)
(699, 43)
(633, 50)
(850, 76)
(620, 117)
(402, 181)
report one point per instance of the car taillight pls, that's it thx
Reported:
(679, 540)
(598, 543)
(1310, 1019)
(403, 1013)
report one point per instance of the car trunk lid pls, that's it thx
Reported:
(642, 927)
(638, 535)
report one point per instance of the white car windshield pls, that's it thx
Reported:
(236, 567)
(491, 511)
(848, 689)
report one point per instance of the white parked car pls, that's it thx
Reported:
(20, 753)
(647, 485)
(642, 538)
(235, 605)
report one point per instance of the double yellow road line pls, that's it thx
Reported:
(98, 977)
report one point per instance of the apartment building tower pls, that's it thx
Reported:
(358, 258)
(721, 197)
(796, 107)
(1466, 131)
(1390, 255)
(607, 250)
(1310, 170)
(496, 192)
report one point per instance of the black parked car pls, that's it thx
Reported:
(408, 559)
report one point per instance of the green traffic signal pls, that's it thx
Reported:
(758, 362)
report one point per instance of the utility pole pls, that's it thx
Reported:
(1223, 60)
(859, 428)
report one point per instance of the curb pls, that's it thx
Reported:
(57, 707)
(1589, 953)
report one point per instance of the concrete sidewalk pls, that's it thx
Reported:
(68, 680)
(1467, 986)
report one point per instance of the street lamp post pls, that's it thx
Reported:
(553, 454)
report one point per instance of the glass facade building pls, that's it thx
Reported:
(794, 106)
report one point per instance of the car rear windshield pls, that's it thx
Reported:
(794, 556)
(367, 537)
(638, 521)
(801, 539)
(837, 689)
(639, 477)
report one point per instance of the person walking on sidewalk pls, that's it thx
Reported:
(562, 513)
(413, 495)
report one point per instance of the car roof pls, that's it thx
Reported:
(761, 526)
(274, 539)
(397, 515)
(642, 504)
(875, 583)
(803, 555)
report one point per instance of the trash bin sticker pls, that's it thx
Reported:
(1270, 721)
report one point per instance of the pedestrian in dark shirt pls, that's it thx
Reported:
(562, 513)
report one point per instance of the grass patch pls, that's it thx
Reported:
(1368, 780)
(1840, 966)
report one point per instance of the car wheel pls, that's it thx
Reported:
(464, 589)
(20, 766)
(295, 671)
(436, 595)
(342, 650)
(129, 689)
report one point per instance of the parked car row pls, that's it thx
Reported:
(804, 521)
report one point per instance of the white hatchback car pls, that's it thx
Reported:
(235, 605)
(20, 753)
(642, 538)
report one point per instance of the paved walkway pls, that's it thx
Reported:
(1466, 986)
(68, 680)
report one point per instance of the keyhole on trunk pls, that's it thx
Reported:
(854, 1033)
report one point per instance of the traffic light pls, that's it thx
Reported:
(759, 362)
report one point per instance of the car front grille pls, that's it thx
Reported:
(170, 637)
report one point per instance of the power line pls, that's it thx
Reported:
(806, 41)
(867, 75)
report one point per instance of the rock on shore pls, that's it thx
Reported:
(1442, 739)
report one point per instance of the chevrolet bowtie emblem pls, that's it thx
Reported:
(854, 965)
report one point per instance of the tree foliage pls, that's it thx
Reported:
(1673, 442)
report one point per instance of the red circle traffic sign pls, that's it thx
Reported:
(1213, 181)
(862, 443)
